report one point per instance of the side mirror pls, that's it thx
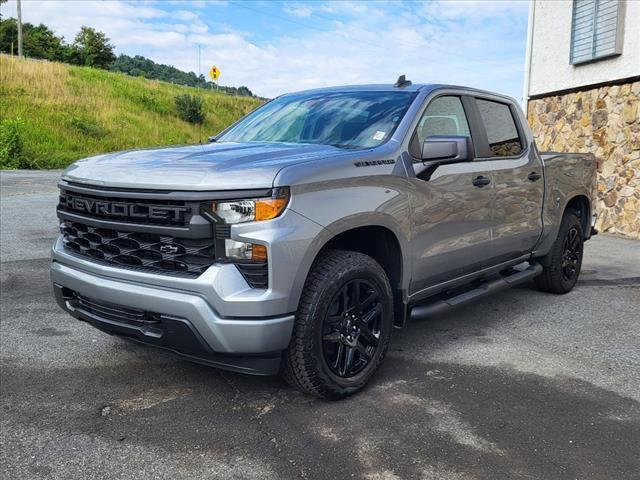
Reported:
(446, 149)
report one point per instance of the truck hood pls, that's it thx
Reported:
(214, 166)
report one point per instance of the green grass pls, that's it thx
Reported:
(62, 113)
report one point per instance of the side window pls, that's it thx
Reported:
(501, 128)
(443, 116)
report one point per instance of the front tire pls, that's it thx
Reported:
(561, 266)
(343, 325)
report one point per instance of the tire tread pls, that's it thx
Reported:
(299, 366)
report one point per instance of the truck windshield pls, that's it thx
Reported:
(342, 119)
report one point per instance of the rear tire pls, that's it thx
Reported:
(343, 326)
(561, 266)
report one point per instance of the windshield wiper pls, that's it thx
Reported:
(344, 146)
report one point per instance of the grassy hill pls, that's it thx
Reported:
(52, 114)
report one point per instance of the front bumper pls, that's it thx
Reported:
(186, 324)
(222, 313)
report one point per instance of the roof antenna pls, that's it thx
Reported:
(402, 82)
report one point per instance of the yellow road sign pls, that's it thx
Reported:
(214, 73)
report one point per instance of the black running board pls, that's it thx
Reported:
(477, 291)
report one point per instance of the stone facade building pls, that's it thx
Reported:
(582, 93)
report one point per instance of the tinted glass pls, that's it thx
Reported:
(443, 116)
(501, 128)
(341, 119)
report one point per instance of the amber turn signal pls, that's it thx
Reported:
(270, 208)
(258, 253)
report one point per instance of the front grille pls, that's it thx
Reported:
(146, 251)
(140, 211)
(155, 231)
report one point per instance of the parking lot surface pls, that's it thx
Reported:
(522, 385)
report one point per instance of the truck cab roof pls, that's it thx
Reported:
(408, 87)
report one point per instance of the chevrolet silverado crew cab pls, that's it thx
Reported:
(298, 238)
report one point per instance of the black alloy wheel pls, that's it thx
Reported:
(561, 266)
(571, 254)
(351, 329)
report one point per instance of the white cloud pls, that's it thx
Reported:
(184, 15)
(297, 10)
(473, 43)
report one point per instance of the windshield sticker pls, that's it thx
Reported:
(379, 135)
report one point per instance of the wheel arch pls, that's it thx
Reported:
(380, 240)
(581, 205)
(555, 207)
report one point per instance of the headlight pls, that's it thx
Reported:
(255, 209)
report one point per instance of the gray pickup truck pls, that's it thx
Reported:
(297, 239)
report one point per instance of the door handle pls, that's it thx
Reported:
(481, 181)
(534, 176)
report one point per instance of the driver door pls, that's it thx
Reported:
(451, 207)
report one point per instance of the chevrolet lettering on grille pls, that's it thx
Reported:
(123, 209)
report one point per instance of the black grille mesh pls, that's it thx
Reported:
(157, 253)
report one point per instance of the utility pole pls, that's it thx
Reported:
(199, 72)
(19, 29)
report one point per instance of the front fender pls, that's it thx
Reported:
(343, 205)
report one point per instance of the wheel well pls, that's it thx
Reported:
(382, 245)
(580, 205)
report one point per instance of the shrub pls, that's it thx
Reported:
(11, 144)
(190, 108)
(87, 126)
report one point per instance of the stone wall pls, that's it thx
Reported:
(604, 121)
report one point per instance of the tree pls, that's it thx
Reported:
(8, 35)
(92, 49)
(39, 42)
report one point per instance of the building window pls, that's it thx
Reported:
(596, 30)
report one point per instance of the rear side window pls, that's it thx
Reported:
(501, 128)
(443, 116)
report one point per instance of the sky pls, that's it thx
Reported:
(274, 47)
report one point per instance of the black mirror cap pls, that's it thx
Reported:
(447, 148)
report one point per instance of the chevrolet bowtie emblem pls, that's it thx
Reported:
(168, 249)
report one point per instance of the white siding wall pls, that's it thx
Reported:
(551, 41)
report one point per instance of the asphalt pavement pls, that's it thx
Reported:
(522, 385)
